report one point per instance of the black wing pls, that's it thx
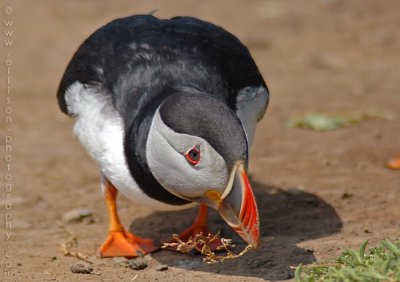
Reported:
(133, 59)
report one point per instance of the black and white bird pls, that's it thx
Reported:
(168, 109)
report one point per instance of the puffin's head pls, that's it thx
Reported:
(197, 150)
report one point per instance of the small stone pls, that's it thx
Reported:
(76, 215)
(53, 258)
(161, 267)
(346, 195)
(137, 264)
(366, 230)
(19, 224)
(296, 190)
(82, 268)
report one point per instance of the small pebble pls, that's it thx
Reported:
(137, 264)
(19, 224)
(366, 230)
(162, 267)
(76, 215)
(82, 268)
(296, 190)
(346, 195)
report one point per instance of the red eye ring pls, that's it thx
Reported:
(193, 156)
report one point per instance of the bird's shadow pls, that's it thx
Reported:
(286, 219)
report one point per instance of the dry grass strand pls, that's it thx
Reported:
(202, 243)
(71, 242)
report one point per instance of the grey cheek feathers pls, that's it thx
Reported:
(164, 154)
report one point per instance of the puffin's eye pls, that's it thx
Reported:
(193, 155)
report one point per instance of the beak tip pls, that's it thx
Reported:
(254, 236)
(249, 233)
(255, 245)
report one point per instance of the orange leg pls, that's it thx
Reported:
(121, 243)
(199, 226)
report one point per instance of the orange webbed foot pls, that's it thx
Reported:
(124, 244)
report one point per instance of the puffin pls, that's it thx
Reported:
(167, 108)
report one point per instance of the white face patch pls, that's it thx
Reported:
(165, 153)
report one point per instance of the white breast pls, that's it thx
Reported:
(99, 128)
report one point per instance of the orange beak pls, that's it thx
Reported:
(238, 207)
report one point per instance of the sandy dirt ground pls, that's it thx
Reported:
(332, 56)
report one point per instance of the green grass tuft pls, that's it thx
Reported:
(382, 263)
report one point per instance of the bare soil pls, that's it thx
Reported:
(318, 193)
